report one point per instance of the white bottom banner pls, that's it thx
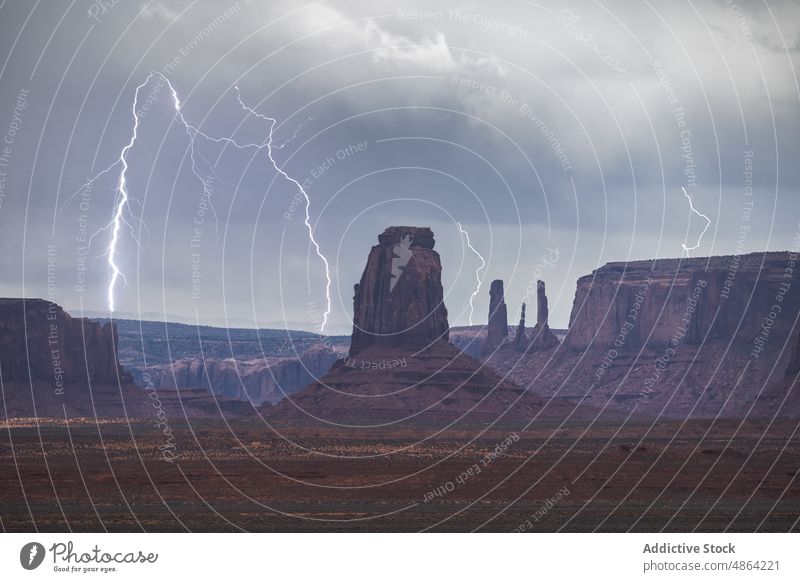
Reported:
(397, 557)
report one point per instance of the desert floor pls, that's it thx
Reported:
(672, 476)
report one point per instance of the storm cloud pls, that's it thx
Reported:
(559, 135)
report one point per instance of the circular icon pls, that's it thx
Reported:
(31, 555)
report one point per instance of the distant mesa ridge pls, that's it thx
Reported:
(55, 365)
(41, 341)
(733, 295)
(257, 380)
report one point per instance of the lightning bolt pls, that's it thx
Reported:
(271, 124)
(294, 135)
(477, 272)
(121, 202)
(121, 214)
(701, 215)
(34, 551)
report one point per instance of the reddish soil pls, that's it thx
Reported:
(677, 477)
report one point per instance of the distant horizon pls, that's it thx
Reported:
(335, 329)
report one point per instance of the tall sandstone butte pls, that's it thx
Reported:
(542, 337)
(402, 370)
(399, 301)
(497, 327)
(521, 337)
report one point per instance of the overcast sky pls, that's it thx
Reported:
(559, 135)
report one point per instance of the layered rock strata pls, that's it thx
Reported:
(39, 341)
(703, 299)
(675, 337)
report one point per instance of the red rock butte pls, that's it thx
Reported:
(401, 367)
(399, 302)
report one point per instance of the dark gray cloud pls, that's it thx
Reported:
(568, 126)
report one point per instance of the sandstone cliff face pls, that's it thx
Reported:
(399, 301)
(39, 341)
(258, 380)
(55, 365)
(695, 337)
(649, 302)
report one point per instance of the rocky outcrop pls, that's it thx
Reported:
(412, 376)
(39, 341)
(258, 380)
(399, 301)
(675, 337)
(542, 309)
(497, 327)
(521, 337)
(56, 365)
(542, 338)
(701, 299)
